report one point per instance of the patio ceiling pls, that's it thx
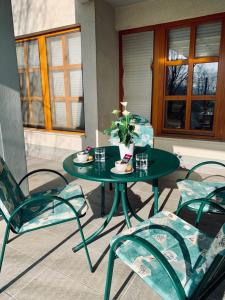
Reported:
(122, 2)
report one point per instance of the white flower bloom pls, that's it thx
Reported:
(125, 112)
(124, 104)
(115, 111)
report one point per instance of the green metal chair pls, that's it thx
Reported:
(173, 257)
(192, 189)
(23, 214)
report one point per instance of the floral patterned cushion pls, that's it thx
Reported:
(191, 189)
(143, 128)
(189, 251)
(43, 214)
(11, 195)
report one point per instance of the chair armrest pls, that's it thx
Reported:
(43, 170)
(159, 257)
(209, 162)
(203, 202)
(43, 198)
(215, 192)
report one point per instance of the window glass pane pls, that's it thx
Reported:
(177, 80)
(33, 54)
(57, 86)
(77, 109)
(202, 114)
(76, 88)
(25, 112)
(59, 114)
(179, 40)
(22, 82)
(175, 114)
(74, 48)
(20, 55)
(208, 39)
(35, 84)
(205, 79)
(55, 54)
(37, 113)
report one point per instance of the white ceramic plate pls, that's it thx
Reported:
(75, 160)
(115, 171)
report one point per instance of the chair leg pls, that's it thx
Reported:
(5, 240)
(109, 275)
(102, 199)
(85, 246)
(199, 215)
(179, 204)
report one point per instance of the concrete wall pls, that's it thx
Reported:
(99, 42)
(151, 12)
(107, 66)
(31, 16)
(11, 130)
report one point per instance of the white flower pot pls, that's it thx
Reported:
(126, 150)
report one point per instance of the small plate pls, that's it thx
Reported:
(115, 171)
(75, 160)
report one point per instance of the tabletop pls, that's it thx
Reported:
(161, 163)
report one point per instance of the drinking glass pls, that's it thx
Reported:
(100, 154)
(141, 161)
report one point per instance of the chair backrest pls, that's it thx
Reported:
(213, 263)
(11, 195)
(142, 127)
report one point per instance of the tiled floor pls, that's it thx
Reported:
(41, 265)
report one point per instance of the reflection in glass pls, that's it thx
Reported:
(25, 112)
(35, 84)
(33, 54)
(208, 39)
(205, 79)
(59, 114)
(38, 113)
(179, 40)
(22, 82)
(175, 114)
(177, 80)
(20, 55)
(55, 51)
(202, 114)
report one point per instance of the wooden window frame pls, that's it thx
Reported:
(44, 68)
(160, 63)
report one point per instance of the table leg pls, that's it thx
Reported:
(92, 237)
(102, 199)
(133, 213)
(156, 194)
(124, 203)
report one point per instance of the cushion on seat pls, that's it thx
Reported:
(50, 212)
(184, 246)
(191, 189)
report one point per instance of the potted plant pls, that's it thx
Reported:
(122, 130)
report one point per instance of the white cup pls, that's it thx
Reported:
(120, 167)
(82, 157)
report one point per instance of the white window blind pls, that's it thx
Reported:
(179, 41)
(137, 79)
(208, 39)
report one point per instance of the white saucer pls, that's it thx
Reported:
(115, 171)
(76, 160)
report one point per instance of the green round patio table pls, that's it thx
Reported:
(161, 163)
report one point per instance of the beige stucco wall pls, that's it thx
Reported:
(151, 12)
(31, 16)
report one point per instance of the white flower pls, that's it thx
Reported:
(125, 112)
(116, 112)
(124, 104)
